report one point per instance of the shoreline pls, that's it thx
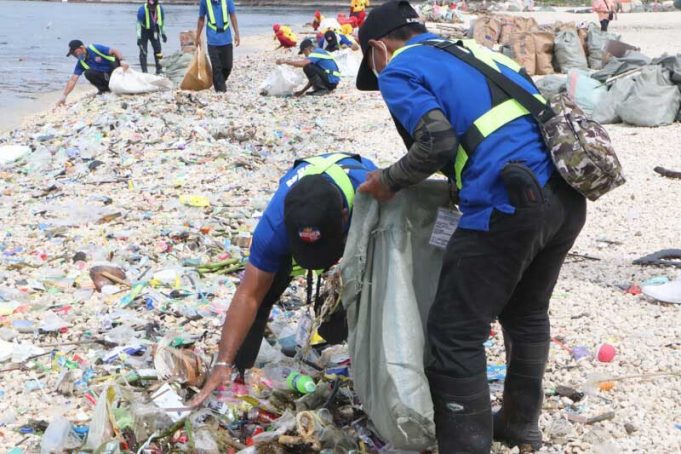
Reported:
(298, 5)
(15, 115)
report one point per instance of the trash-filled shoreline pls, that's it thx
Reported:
(127, 221)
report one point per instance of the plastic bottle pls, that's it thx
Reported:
(283, 377)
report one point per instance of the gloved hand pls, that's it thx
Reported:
(139, 41)
(165, 38)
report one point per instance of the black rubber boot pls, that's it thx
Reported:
(159, 66)
(143, 61)
(517, 423)
(463, 415)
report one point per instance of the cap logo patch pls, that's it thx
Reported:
(309, 234)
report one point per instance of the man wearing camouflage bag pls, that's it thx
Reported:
(520, 219)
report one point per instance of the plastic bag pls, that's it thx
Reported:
(133, 82)
(524, 51)
(487, 30)
(199, 76)
(58, 437)
(620, 65)
(605, 111)
(543, 48)
(10, 153)
(283, 81)
(586, 92)
(390, 273)
(101, 430)
(654, 100)
(596, 41)
(175, 65)
(348, 62)
(671, 63)
(551, 85)
(569, 52)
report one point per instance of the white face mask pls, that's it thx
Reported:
(373, 59)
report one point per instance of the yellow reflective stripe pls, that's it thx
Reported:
(498, 116)
(326, 57)
(481, 53)
(400, 50)
(501, 115)
(159, 16)
(506, 61)
(111, 58)
(297, 270)
(84, 65)
(322, 56)
(459, 163)
(211, 15)
(147, 21)
(329, 166)
(487, 124)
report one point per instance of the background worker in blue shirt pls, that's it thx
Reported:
(97, 62)
(219, 37)
(307, 221)
(332, 41)
(519, 220)
(318, 65)
(151, 27)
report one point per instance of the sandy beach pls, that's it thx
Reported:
(231, 149)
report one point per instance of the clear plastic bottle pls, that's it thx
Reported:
(282, 377)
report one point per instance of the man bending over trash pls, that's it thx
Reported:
(303, 228)
(319, 66)
(97, 62)
(520, 219)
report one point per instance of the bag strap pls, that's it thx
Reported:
(540, 111)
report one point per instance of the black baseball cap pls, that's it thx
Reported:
(331, 40)
(313, 215)
(382, 20)
(307, 42)
(73, 45)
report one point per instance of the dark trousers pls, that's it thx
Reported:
(100, 79)
(248, 352)
(153, 36)
(334, 330)
(318, 77)
(221, 60)
(604, 25)
(507, 273)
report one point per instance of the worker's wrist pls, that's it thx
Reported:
(388, 181)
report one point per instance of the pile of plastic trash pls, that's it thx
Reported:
(129, 221)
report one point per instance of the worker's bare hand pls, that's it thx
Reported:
(125, 66)
(280, 61)
(237, 40)
(61, 102)
(375, 187)
(219, 376)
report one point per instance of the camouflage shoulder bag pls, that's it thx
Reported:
(579, 147)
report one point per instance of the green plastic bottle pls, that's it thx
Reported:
(301, 383)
